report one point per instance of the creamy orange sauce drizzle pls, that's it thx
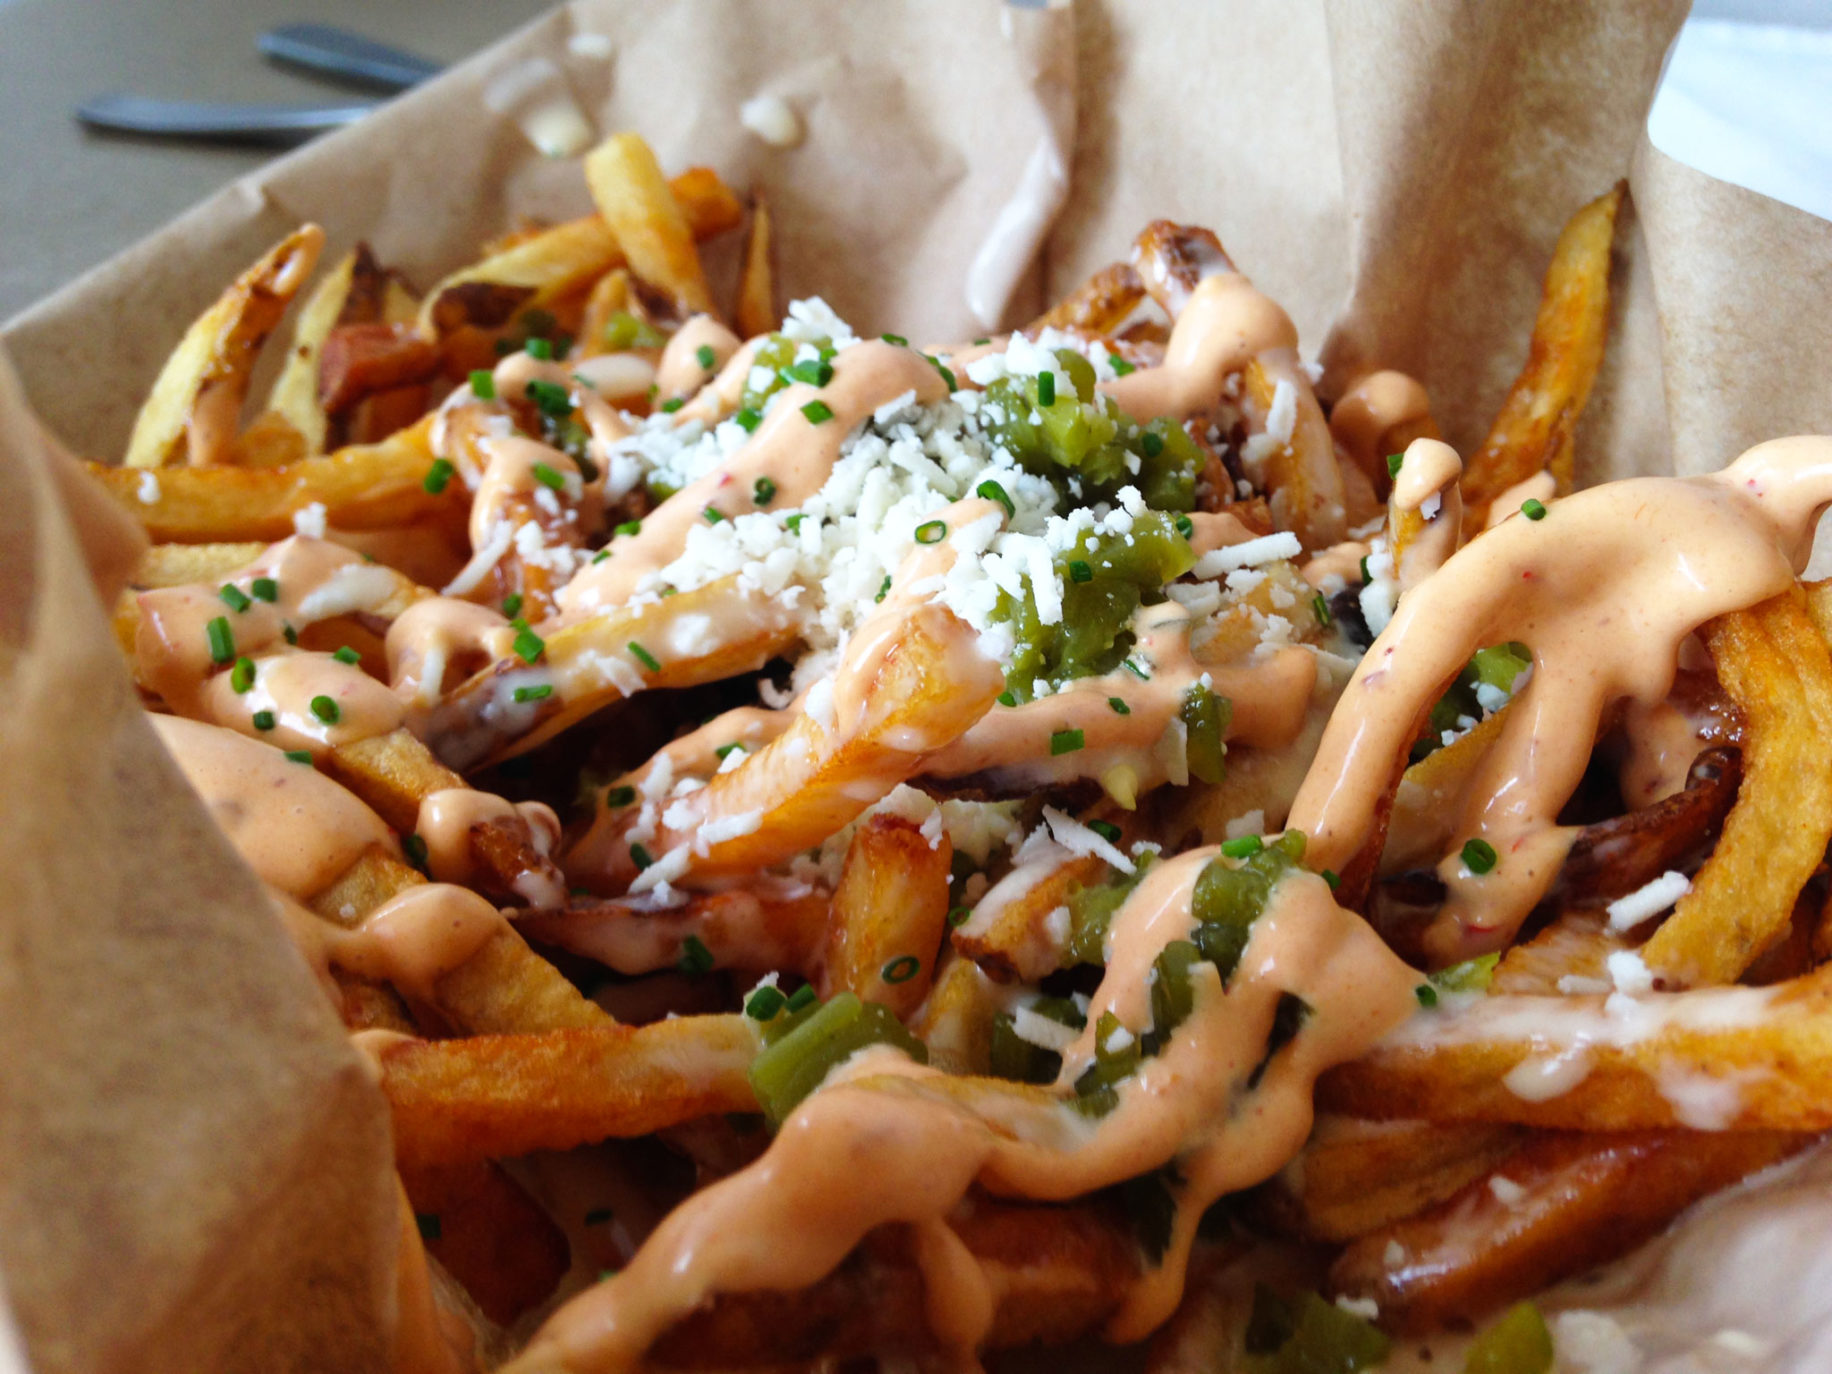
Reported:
(1541, 487)
(885, 1140)
(416, 937)
(1662, 742)
(294, 827)
(1368, 410)
(680, 371)
(447, 818)
(1425, 510)
(1603, 590)
(436, 635)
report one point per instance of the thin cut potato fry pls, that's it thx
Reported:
(756, 311)
(758, 930)
(1732, 1058)
(1575, 945)
(490, 1236)
(1011, 944)
(174, 565)
(1099, 305)
(392, 773)
(195, 407)
(365, 487)
(1775, 667)
(956, 1021)
(890, 912)
(609, 295)
(1571, 1202)
(630, 192)
(498, 1096)
(1534, 430)
(1819, 606)
(269, 441)
(295, 390)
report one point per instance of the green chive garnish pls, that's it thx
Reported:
(959, 916)
(620, 796)
(537, 693)
(793, 522)
(672, 404)
(695, 957)
(1008, 698)
(1107, 830)
(512, 605)
(644, 657)
(1333, 878)
(265, 589)
(326, 710)
(1151, 443)
(725, 749)
(1533, 508)
(1395, 461)
(1046, 388)
(222, 640)
(234, 597)
(1135, 670)
(803, 996)
(628, 527)
(817, 412)
(437, 476)
(1319, 607)
(539, 348)
(706, 356)
(264, 720)
(1120, 708)
(299, 755)
(993, 491)
(1478, 856)
(241, 677)
(764, 1003)
(942, 368)
(901, 969)
(483, 384)
(549, 477)
(1427, 995)
(931, 532)
(1120, 366)
(897, 339)
(640, 857)
(1065, 742)
(529, 646)
(1185, 526)
(1243, 848)
(884, 588)
(713, 515)
(412, 845)
(346, 654)
(763, 491)
(1080, 571)
(748, 420)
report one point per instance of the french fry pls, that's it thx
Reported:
(392, 773)
(924, 684)
(1727, 1058)
(1575, 945)
(1775, 667)
(890, 912)
(195, 407)
(365, 487)
(591, 665)
(758, 929)
(498, 1096)
(1558, 1206)
(295, 390)
(1533, 432)
(359, 360)
(610, 295)
(756, 311)
(1099, 305)
(175, 565)
(956, 1022)
(269, 441)
(635, 200)
(534, 272)
(490, 1235)
(1009, 941)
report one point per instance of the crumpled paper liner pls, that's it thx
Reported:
(193, 1172)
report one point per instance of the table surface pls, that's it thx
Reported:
(72, 198)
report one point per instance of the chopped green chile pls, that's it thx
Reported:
(1113, 1064)
(1518, 1343)
(1230, 896)
(1172, 996)
(1016, 1058)
(793, 1065)
(1206, 717)
(776, 354)
(1472, 975)
(1091, 912)
(624, 331)
(1496, 666)
(1151, 1205)
(1307, 1335)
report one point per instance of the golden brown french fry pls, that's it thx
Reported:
(295, 390)
(392, 773)
(634, 198)
(174, 565)
(610, 295)
(364, 487)
(890, 912)
(1558, 1206)
(1008, 939)
(269, 441)
(756, 311)
(195, 407)
(499, 1096)
(1727, 1058)
(591, 664)
(1099, 305)
(1775, 667)
(358, 361)
(1356, 1176)
(956, 1022)
(1575, 945)
(490, 1236)
(533, 272)
(758, 929)
(1534, 429)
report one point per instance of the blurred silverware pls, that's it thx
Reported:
(244, 123)
(328, 50)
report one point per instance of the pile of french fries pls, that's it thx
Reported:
(588, 1063)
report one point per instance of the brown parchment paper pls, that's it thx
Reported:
(192, 1167)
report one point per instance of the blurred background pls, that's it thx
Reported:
(1747, 97)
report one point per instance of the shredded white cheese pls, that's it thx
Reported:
(310, 520)
(1268, 548)
(1077, 838)
(1648, 901)
(148, 489)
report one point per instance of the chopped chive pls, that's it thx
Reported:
(803, 996)
(512, 605)
(539, 348)
(265, 589)
(1008, 698)
(640, 857)
(901, 969)
(620, 796)
(1427, 995)
(725, 749)
(706, 356)
(992, 491)
(414, 847)
(748, 420)
(428, 1224)
(1319, 607)
(1065, 742)
(695, 957)
(763, 491)
(978, 342)
(1366, 576)
(438, 476)
(264, 720)
(549, 477)
(672, 404)
(1120, 708)
(346, 654)
(1120, 366)
(1395, 461)
(241, 677)
(897, 339)
(529, 646)
(1135, 670)
(1046, 388)
(1533, 508)
(600, 556)
(483, 384)
(299, 755)
(1151, 443)
(1080, 571)
(793, 522)
(884, 588)
(234, 597)
(713, 515)
(1245, 847)
(628, 527)
(817, 412)
(815, 371)
(222, 640)
(1107, 830)
(1185, 526)
(942, 368)
(539, 692)
(644, 657)
(326, 709)
(598, 1216)
(959, 916)
(1478, 856)
(931, 532)
(1333, 878)
(764, 1003)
